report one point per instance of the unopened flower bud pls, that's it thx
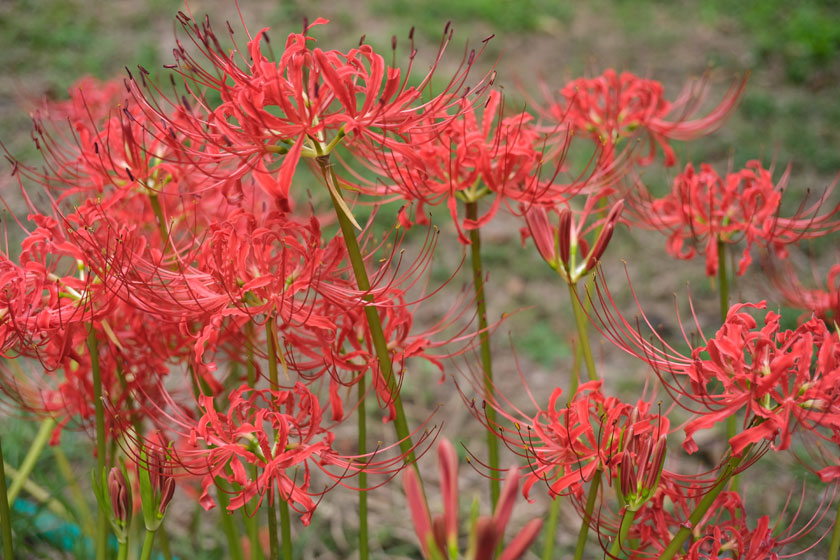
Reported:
(120, 496)
(605, 235)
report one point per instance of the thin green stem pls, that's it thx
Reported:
(581, 323)
(551, 529)
(271, 349)
(624, 530)
(372, 315)
(72, 482)
(834, 547)
(285, 529)
(723, 283)
(594, 486)
(364, 548)
(35, 449)
(5, 514)
(723, 291)
(705, 503)
(122, 552)
(228, 526)
(484, 342)
(252, 528)
(99, 409)
(41, 495)
(284, 506)
(271, 514)
(148, 543)
(162, 230)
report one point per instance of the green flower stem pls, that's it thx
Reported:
(164, 233)
(148, 542)
(723, 284)
(270, 334)
(99, 409)
(285, 528)
(5, 515)
(35, 449)
(484, 341)
(723, 478)
(581, 323)
(273, 541)
(228, 525)
(551, 529)
(587, 514)
(374, 323)
(122, 552)
(834, 547)
(41, 495)
(624, 530)
(364, 548)
(72, 482)
(252, 528)
(723, 290)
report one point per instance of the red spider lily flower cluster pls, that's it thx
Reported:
(565, 443)
(172, 255)
(779, 379)
(438, 536)
(705, 209)
(725, 532)
(614, 107)
(475, 156)
(322, 97)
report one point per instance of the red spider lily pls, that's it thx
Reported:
(780, 378)
(614, 107)
(40, 304)
(565, 443)
(282, 434)
(564, 247)
(474, 156)
(438, 536)
(300, 105)
(704, 209)
(824, 302)
(106, 147)
(724, 532)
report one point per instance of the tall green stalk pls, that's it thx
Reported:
(271, 349)
(624, 530)
(551, 529)
(591, 497)
(273, 540)
(484, 343)
(723, 283)
(148, 545)
(705, 503)
(285, 528)
(99, 409)
(361, 446)
(834, 547)
(723, 291)
(5, 514)
(35, 449)
(581, 323)
(377, 334)
(228, 526)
